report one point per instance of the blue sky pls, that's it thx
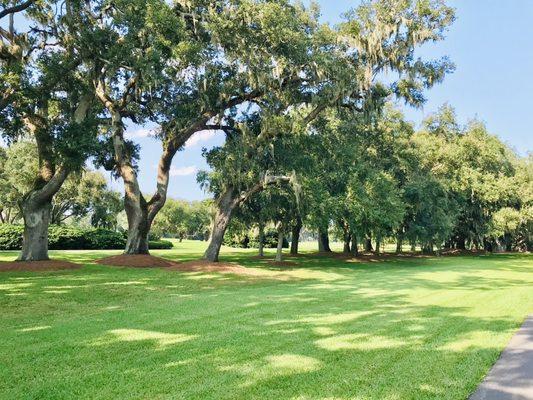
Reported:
(490, 43)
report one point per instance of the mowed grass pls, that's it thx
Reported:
(425, 328)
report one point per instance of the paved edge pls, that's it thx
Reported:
(511, 377)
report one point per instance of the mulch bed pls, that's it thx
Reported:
(148, 261)
(38, 266)
(136, 260)
(283, 263)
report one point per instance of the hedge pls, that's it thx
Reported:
(71, 238)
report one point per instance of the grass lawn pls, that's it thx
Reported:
(426, 328)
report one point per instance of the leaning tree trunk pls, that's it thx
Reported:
(261, 240)
(295, 236)
(225, 206)
(226, 203)
(323, 241)
(279, 250)
(36, 216)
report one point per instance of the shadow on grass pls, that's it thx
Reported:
(392, 330)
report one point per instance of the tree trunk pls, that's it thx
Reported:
(354, 249)
(261, 240)
(139, 212)
(399, 242)
(138, 225)
(225, 206)
(347, 240)
(368, 244)
(378, 244)
(226, 203)
(36, 216)
(279, 250)
(323, 241)
(36, 208)
(460, 243)
(295, 236)
(508, 242)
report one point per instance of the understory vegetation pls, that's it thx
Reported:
(406, 328)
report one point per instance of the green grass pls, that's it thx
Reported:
(427, 328)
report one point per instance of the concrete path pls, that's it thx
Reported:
(511, 378)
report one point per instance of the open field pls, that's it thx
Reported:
(413, 328)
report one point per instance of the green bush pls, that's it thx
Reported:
(71, 238)
(103, 239)
(11, 237)
(160, 244)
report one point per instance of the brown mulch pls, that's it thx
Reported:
(37, 266)
(283, 263)
(136, 260)
(208, 266)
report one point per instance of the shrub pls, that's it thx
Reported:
(72, 238)
(160, 244)
(103, 239)
(11, 237)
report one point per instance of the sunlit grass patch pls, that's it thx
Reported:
(327, 329)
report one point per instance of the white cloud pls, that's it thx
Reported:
(139, 133)
(183, 171)
(199, 137)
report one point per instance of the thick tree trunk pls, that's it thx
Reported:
(323, 241)
(138, 226)
(354, 249)
(225, 206)
(279, 250)
(295, 236)
(261, 240)
(36, 216)
(36, 209)
(378, 244)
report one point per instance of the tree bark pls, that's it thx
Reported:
(378, 244)
(261, 240)
(279, 250)
(460, 243)
(399, 243)
(354, 249)
(295, 236)
(36, 208)
(368, 244)
(347, 240)
(225, 206)
(323, 241)
(36, 216)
